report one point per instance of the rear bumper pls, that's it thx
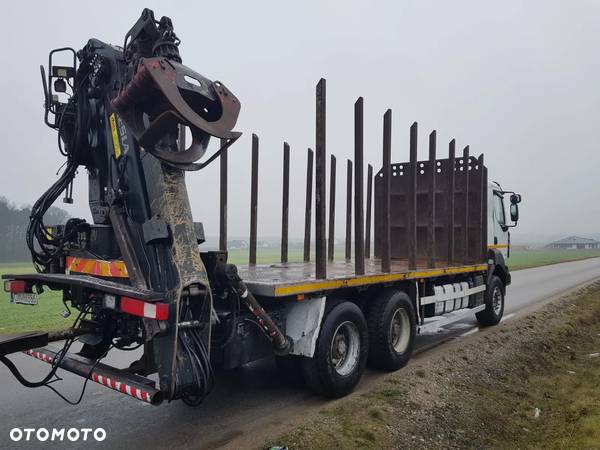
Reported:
(59, 281)
(119, 380)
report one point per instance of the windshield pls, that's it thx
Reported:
(499, 209)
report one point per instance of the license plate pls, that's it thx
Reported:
(24, 298)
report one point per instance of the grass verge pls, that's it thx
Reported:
(524, 259)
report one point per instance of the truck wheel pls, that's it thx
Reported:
(340, 354)
(392, 328)
(494, 303)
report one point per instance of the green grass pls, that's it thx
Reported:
(562, 380)
(48, 314)
(519, 258)
(267, 255)
(272, 255)
(523, 259)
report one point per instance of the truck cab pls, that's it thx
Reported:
(499, 222)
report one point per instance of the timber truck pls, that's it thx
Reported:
(136, 274)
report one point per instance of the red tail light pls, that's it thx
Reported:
(15, 286)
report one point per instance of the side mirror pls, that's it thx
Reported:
(514, 212)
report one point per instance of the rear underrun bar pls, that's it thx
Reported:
(124, 382)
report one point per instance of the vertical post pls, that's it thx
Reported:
(386, 254)
(331, 238)
(359, 237)
(320, 186)
(412, 200)
(483, 206)
(254, 200)
(451, 187)
(285, 207)
(320, 214)
(348, 254)
(223, 199)
(432, 175)
(466, 158)
(368, 218)
(181, 138)
(308, 208)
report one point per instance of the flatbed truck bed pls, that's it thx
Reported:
(292, 279)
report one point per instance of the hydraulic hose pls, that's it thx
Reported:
(282, 344)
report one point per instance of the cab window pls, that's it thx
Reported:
(499, 209)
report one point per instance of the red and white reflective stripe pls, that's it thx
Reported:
(124, 388)
(158, 311)
(138, 393)
(40, 356)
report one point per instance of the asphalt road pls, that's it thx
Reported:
(246, 406)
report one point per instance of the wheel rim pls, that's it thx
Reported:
(400, 331)
(497, 300)
(345, 348)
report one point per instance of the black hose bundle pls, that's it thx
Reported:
(194, 358)
(73, 126)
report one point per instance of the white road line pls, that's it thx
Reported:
(476, 329)
(471, 331)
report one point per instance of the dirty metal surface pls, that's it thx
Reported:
(279, 280)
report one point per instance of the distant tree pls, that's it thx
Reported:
(13, 228)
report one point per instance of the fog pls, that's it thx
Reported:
(517, 81)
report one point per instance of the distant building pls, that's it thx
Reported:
(237, 244)
(574, 242)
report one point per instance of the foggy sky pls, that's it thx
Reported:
(517, 81)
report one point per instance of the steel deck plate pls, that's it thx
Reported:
(280, 280)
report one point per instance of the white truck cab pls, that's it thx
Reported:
(499, 223)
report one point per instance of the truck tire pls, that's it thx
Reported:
(341, 352)
(392, 328)
(494, 303)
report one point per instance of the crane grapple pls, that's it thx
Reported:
(135, 273)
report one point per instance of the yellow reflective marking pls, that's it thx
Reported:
(105, 268)
(115, 136)
(372, 279)
(498, 246)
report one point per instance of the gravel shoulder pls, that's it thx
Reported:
(532, 382)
